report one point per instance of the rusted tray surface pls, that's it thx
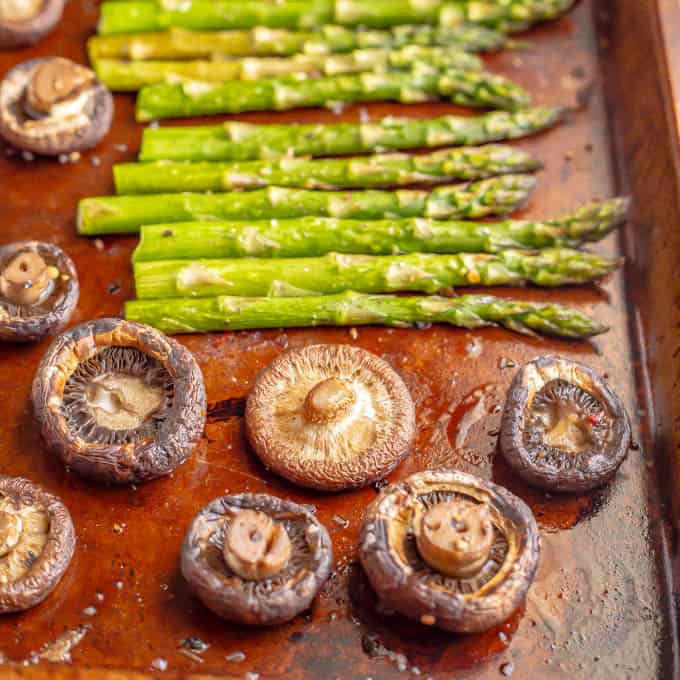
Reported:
(601, 605)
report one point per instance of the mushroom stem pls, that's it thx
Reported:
(10, 532)
(455, 537)
(255, 546)
(329, 400)
(20, 10)
(54, 82)
(25, 279)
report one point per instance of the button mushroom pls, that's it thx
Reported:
(563, 428)
(37, 540)
(119, 401)
(53, 106)
(450, 550)
(38, 290)
(330, 417)
(24, 22)
(256, 559)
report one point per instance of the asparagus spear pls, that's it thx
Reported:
(122, 75)
(261, 41)
(381, 170)
(211, 15)
(354, 309)
(236, 141)
(312, 236)
(336, 272)
(422, 83)
(125, 214)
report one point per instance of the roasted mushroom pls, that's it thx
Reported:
(563, 428)
(38, 290)
(119, 401)
(330, 417)
(24, 22)
(256, 559)
(53, 106)
(37, 541)
(450, 550)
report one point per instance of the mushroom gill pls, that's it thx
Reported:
(330, 417)
(563, 427)
(118, 396)
(256, 559)
(38, 290)
(450, 550)
(24, 529)
(53, 106)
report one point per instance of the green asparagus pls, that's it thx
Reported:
(261, 41)
(122, 75)
(381, 170)
(336, 272)
(237, 141)
(126, 214)
(210, 15)
(354, 309)
(313, 236)
(421, 83)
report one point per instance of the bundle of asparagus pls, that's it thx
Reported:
(261, 41)
(157, 15)
(188, 315)
(237, 141)
(421, 83)
(123, 75)
(376, 171)
(126, 214)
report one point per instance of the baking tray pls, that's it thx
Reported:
(602, 605)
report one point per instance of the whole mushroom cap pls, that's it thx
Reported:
(37, 541)
(271, 596)
(563, 428)
(24, 22)
(406, 583)
(52, 106)
(119, 401)
(330, 417)
(38, 290)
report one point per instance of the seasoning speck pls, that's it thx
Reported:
(235, 657)
(353, 333)
(121, 147)
(507, 669)
(95, 161)
(63, 158)
(159, 664)
(252, 676)
(90, 611)
(166, 233)
(98, 244)
(195, 644)
(341, 521)
(74, 156)
(99, 597)
(28, 156)
(119, 585)
(154, 124)
(114, 288)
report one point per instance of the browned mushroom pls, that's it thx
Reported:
(24, 22)
(563, 428)
(330, 417)
(119, 401)
(53, 106)
(37, 540)
(38, 290)
(450, 550)
(256, 559)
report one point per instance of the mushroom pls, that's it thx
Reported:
(330, 417)
(256, 559)
(38, 290)
(37, 540)
(24, 22)
(563, 428)
(53, 106)
(450, 550)
(119, 401)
